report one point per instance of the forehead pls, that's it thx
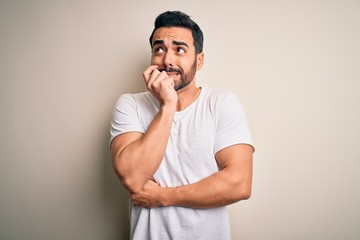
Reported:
(174, 33)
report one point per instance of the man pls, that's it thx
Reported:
(184, 152)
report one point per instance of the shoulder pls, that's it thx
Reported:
(135, 96)
(135, 99)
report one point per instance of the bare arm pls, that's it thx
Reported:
(136, 156)
(231, 184)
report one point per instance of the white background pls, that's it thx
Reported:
(295, 65)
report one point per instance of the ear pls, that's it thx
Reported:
(199, 60)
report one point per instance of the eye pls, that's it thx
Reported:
(158, 50)
(180, 50)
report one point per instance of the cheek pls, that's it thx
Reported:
(156, 60)
(187, 66)
(153, 60)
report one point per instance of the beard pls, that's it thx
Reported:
(185, 77)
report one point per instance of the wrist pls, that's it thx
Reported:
(168, 107)
(168, 198)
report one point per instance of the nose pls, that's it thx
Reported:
(168, 59)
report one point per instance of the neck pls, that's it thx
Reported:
(187, 96)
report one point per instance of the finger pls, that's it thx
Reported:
(171, 82)
(167, 82)
(154, 75)
(160, 78)
(147, 73)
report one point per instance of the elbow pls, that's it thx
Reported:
(245, 194)
(131, 185)
(129, 182)
(238, 195)
(245, 189)
(241, 194)
(126, 178)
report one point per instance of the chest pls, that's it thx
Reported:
(189, 155)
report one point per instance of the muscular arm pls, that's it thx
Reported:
(230, 184)
(136, 156)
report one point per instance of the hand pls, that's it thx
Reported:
(148, 196)
(160, 85)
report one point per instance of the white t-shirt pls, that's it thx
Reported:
(216, 120)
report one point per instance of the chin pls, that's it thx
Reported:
(182, 85)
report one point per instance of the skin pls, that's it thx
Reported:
(137, 156)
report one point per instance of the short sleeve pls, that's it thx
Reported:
(125, 117)
(232, 125)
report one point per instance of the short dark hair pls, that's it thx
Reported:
(179, 19)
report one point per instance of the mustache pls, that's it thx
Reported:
(177, 70)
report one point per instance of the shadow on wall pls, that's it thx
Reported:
(116, 197)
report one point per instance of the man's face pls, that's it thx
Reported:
(173, 50)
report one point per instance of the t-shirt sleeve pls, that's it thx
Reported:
(232, 125)
(125, 117)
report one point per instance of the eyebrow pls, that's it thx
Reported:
(178, 43)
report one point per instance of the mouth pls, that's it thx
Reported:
(171, 71)
(171, 74)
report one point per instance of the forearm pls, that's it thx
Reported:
(217, 190)
(138, 161)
